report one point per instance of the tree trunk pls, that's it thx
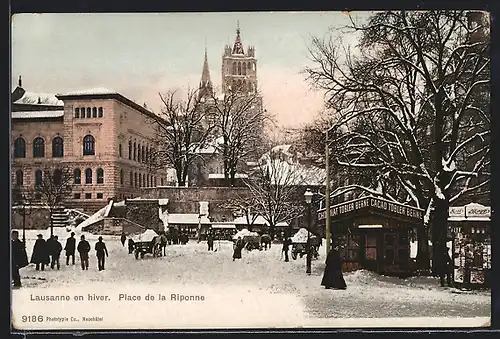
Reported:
(51, 212)
(439, 234)
(423, 260)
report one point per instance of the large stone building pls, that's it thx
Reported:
(102, 137)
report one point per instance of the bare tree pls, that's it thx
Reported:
(240, 120)
(414, 103)
(180, 133)
(244, 206)
(53, 189)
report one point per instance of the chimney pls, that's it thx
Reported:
(20, 82)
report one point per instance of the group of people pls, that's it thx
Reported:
(48, 252)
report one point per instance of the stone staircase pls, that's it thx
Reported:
(60, 217)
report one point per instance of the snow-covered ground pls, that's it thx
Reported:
(260, 290)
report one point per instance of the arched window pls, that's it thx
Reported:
(88, 145)
(143, 156)
(234, 68)
(244, 68)
(131, 179)
(121, 177)
(154, 181)
(144, 180)
(135, 151)
(239, 68)
(57, 147)
(82, 112)
(38, 148)
(38, 178)
(19, 178)
(253, 66)
(249, 67)
(130, 150)
(100, 176)
(88, 176)
(57, 177)
(94, 112)
(77, 174)
(77, 112)
(19, 148)
(89, 112)
(139, 152)
(120, 154)
(135, 179)
(100, 112)
(244, 86)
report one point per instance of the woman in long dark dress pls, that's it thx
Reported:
(238, 246)
(332, 277)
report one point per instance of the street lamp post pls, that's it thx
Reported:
(308, 197)
(327, 194)
(24, 213)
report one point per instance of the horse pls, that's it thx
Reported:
(265, 240)
(159, 242)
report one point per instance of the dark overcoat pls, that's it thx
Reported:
(19, 255)
(237, 249)
(40, 253)
(332, 277)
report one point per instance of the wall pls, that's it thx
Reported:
(145, 213)
(38, 219)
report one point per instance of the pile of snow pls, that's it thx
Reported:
(245, 233)
(96, 217)
(147, 235)
(301, 236)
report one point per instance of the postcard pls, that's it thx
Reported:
(250, 170)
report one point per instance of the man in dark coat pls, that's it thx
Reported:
(40, 255)
(84, 249)
(70, 248)
(286, 245)
(50, 247)
(210, 241)
(332, 277)
(123, 238)
(238, 246)
(446, 269)
(130, 246)
(56, 249)
(101, 250)
(19, 258)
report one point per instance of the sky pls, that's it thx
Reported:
(140, 55)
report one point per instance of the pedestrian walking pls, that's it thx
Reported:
(101, 250)
(19, 258)
(210, 241)
(84, 249)
(286, 245)
(130, 246)
(123, 238)
(40, 255)
(238, 246)
(50, 247)
(56, 249)
(332, 276)
(70, 248)
(446, 270)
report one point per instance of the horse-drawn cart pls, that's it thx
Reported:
(144, 243)
(299, 244)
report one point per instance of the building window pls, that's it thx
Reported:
(144, 180)
(120, 154)
(143, 155)
(88, 195)
(88, 176)
(77, 196)
(89, 112)
(131, 179)
(100, 112)
(121, 177)
(57, 178)
(99, 196)
(139, 153)
(88, 145)
(234, 68)
(154, 181)
(77, 173)
(239, 68)
(130, 150)
(38, 178)
(135, 179)
(19, 148)
(100, 176)
(135, 151)
(94, 112)
(38, 148)
(161, 181)
(77, 112)
(19, 178)
(82, 112)
(57, 147)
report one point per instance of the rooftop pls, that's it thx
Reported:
(37, 114)
(46, 99)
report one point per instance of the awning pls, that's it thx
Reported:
(229, 226)
(187, 218)
(370, 226)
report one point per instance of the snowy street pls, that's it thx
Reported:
(262, 273)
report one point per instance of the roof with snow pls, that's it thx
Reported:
(37, 114)
(221, 176)
(90, 91)
(285, 173)
(96, 217)
(187, 218)
(44, 99)
(259, 220)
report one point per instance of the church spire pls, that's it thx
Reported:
(238, 47)
(205, 88)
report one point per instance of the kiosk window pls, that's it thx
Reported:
(371, 247)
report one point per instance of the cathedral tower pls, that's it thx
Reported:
(205, 89)
(239, 69)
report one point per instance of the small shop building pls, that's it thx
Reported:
(374, 234)
(470, 228)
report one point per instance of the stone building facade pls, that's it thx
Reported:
(102, 137)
